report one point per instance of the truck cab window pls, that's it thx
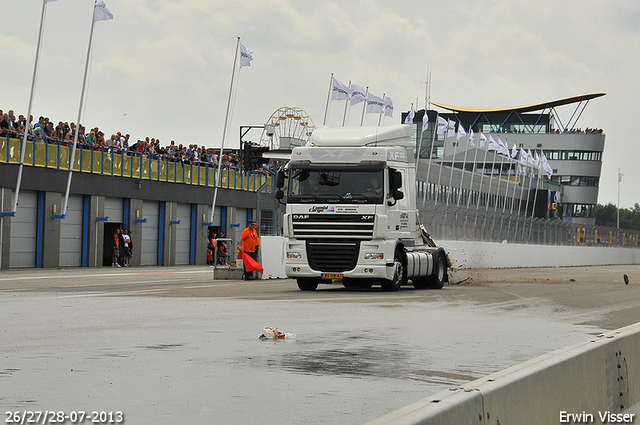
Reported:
(336, 186)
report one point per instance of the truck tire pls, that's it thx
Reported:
(399, 277)
(439, 276)
(420, 282)
(307, 284)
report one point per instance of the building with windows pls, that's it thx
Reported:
(470, 172)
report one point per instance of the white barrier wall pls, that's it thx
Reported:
(595, 381)
(476, 255)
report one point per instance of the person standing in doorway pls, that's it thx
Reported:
(249, 240)
(116, 249)
(126, 256)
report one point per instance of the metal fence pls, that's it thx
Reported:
(488, 226)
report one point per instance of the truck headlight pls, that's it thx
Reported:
(374, 256)
(294, 255)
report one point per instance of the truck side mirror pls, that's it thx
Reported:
(279, 194)
(280, 180)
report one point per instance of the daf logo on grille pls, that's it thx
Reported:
(300, 216)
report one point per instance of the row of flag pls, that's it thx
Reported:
(355, 94)
(526, 157)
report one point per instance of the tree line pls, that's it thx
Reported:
(606, 215)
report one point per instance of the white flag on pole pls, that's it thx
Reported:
(524, 156)
(388, 107)
(451, 128)
(443, 125)
(493, 146)
(339, 91)
(357, 94)
(101, 12)
(425, 121)
(461, 132)
(530, 159)
(375, 104)
(503, 149)
(245, 56)
(546, 166)
(514, 151)
(410, 116)
(620, 176)
(483, 140)
(471, 139)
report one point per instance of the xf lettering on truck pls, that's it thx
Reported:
(396, 155)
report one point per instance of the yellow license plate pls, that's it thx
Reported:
(332, 275)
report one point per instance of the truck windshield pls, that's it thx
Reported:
(336, 186)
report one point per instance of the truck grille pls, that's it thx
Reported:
(333, 256)
(333, 226)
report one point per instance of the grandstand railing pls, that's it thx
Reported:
(122, 163)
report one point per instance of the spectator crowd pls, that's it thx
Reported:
(63, 133)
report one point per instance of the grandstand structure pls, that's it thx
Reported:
(459, 173)
(165, 204)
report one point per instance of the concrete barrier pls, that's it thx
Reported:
(595, 381)
(474, 255)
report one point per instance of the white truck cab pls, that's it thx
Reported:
(351, 212)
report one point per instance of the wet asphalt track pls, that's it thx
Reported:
(171, 345)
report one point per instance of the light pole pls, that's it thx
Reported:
(618, 209)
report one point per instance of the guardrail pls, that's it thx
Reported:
(116, 162)
(595, 381)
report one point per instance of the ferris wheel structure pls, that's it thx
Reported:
(287, 128)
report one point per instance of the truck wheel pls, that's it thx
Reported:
(398, 274)
(439, 276)
(420, 282)
(307, 284)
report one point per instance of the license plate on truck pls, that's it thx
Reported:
(332, 275)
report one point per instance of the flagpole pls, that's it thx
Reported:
(498, 188)
(441, 165)
(346, 105)
(26, 127)
(484, 165)
(364, 106)
(453, 161)
(473, 173)
(75, 136)
(464, 163)
(326, 108)
(618, 209)
(381, 115)
(224, 134)
(433, 141)
(515, 178)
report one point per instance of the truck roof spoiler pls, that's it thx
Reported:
(394, 135)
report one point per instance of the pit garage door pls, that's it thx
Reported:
(149, 248)
(71, 234)
(113, 209)
(23, 231)
(183, 233)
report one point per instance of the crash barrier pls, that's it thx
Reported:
(595, 381)
(464, 224)
(116, 162)
(481, 255)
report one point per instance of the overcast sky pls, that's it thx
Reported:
(162, 68)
